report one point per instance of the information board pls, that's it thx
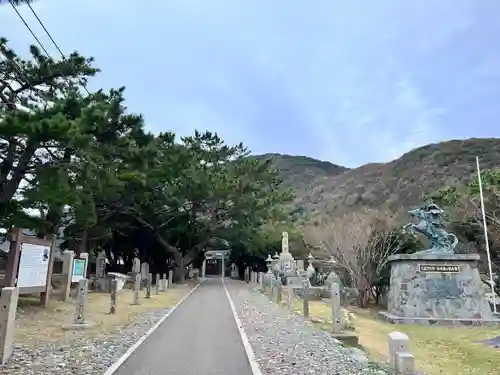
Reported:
(79, 270)
(33, 266)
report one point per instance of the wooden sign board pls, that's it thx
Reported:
(33, 266)
(29, 263)
(439, 268)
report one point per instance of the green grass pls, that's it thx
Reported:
(437, 350)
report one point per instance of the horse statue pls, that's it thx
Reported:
(428, 220)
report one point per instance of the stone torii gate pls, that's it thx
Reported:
(221, 255)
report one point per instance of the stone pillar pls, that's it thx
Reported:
(8, 308)
(305, 297)
(137, 281)
(164, 283)
(114, 286)
(278, 290)
(405, 364)
(336, 322)
(170, 278)
(204, 268)
(398, 343)
(81, 301)
(67, 273)
(101, 271)
(260, 280)
(149, 281)
(144, 273)
(136, 266)
(223, 262)
(157, 286)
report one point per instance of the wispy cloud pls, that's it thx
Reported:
(348, 81)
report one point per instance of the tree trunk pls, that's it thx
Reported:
(363, 295)
(178, 267)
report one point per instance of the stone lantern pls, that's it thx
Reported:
(332, 276)
(269, 263)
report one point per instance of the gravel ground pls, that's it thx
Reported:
(284, 343)
(82, 357)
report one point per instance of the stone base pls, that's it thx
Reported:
(76, 326)
(393, 319)
(437, 288)
(348, 338)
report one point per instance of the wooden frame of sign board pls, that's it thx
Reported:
(18, 238)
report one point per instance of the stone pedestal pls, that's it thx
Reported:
(437, 289)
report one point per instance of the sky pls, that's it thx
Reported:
(351, 82)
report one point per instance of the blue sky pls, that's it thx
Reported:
(351, 82)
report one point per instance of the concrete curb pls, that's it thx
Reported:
(115, 366)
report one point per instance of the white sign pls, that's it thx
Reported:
(33, 266)
(79, 270)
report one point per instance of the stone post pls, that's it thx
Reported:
(400, 357)
(305, 297)
(164, 283)
(290, 295)
(144, 273)
(8, 308)
(204, 268)
(278, 290)
(137, 281)
(170, 278)
(101, 271)
(157, 286)
(137, 289)
(336, 322)
(67, 273)
(81, 300)
(223, 264)
(114, 286)
(260, 279)
(149, 281)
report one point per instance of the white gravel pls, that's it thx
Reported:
(284, 343)
(82, 357)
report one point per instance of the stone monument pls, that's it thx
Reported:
(287, 263)
(436, 286)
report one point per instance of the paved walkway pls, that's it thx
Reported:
(199, 338)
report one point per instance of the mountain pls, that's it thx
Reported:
(326, 190)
